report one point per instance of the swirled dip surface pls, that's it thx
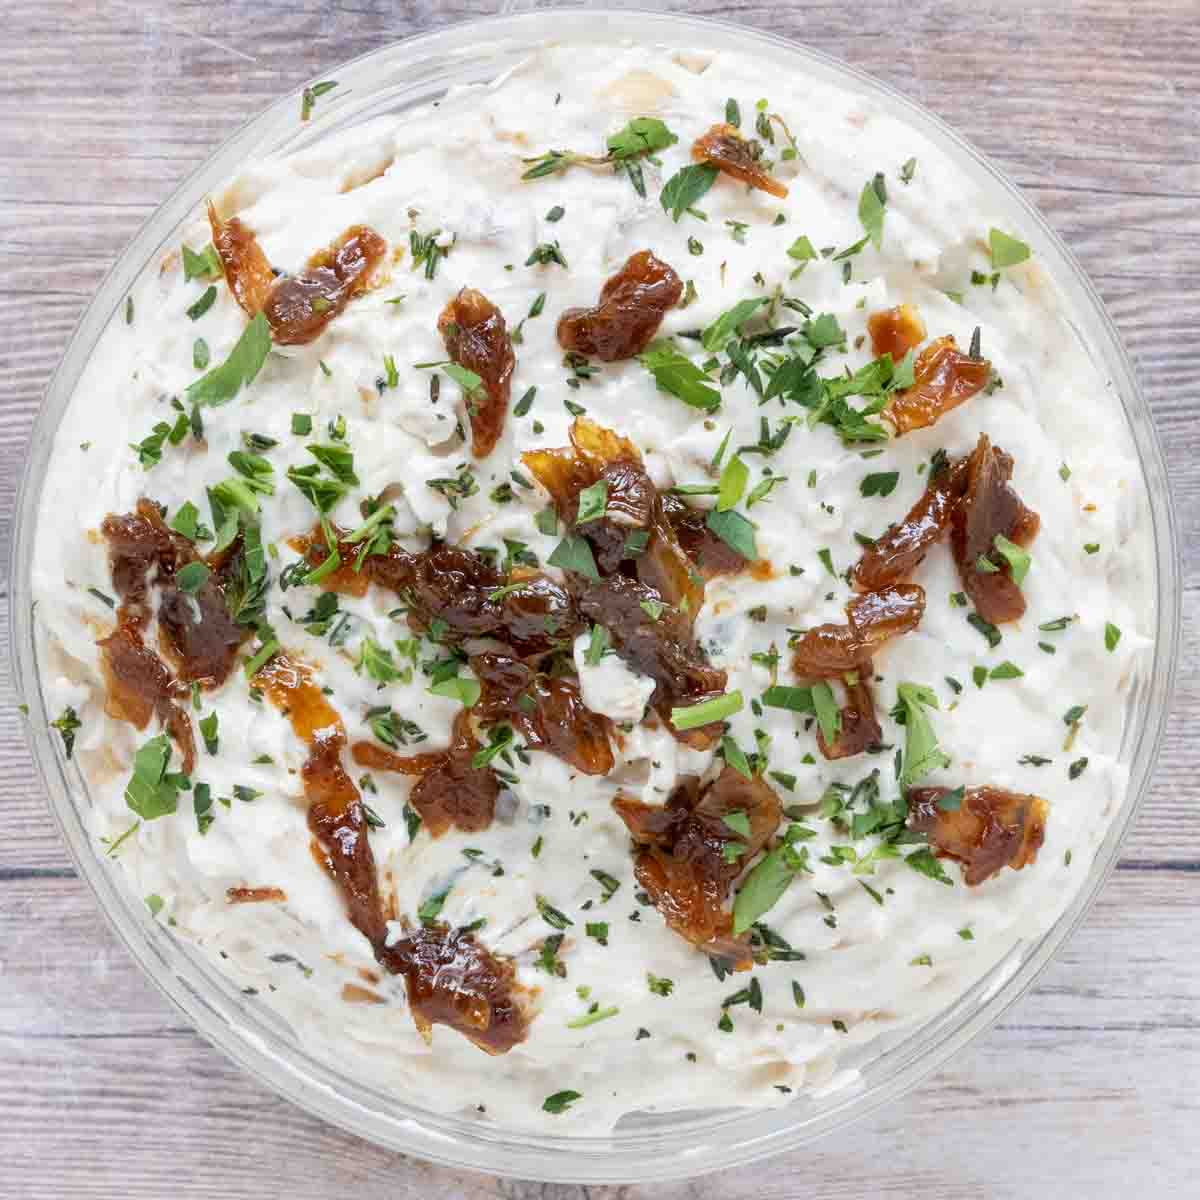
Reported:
(443, 805)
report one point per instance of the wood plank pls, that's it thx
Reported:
(1089, 1086)
(1089, 1037)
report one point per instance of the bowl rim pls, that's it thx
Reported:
(445, 1139)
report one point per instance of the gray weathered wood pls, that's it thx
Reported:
(1090, 1086)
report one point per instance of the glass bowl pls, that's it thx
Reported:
(643, 1147)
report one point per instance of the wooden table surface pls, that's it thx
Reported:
(1090, 1086)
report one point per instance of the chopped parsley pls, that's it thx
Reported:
(871, 206)
(67, 723)
(560, 1101)
(881, 483)
(659, 986)
(685, 187)
(311, 95)
(706, 712)
(921, 752)
(766, 884)
(151, 792)
(677, 375)
(239, 370)
(1006, 251)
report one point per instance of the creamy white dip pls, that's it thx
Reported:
(873, 963)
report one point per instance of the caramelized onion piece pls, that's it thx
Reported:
(682, 861)
(860, 729)
(139, 543)
(139, 686)
(992, 828)
(665, 649)
(900, 550)
(828, 651)
(943, 378)
(724, 148)
(297, 307)
(632, 305)
(633, 506)
(452, 980)
(449, 977)
(546, 710)
(246, 268)
(895, 331)
(138, 683)
(196, 631)
(476, 338)
(456, 585)
(254, 895)
(598, 455)
(335, 812)
(711, 555)
(451, 793)
(343, 579)
(989, 507)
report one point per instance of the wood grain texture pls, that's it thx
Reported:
(1090, 1086)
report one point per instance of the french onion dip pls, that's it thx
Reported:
(613, 592)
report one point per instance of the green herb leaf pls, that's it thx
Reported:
(717, 335)
(642, 135)
(597, 646)
(200, 307)
(1006, 251)
(205, 265)
(67, 722)
(574, 554)
(735, 756)
(191, 577)
(593, 502)
(459, 687)
(733, 483)
(802, 250)
(1112, 635)
(1006, 670)
(322, 493)
(925, 862)
(312, 94)
(1018, 559)
(337, 460)
(871, 205)
(151, 792)
(766, 884)
(986, 628)
(209, 731)
(676, 374)
(879, 483)
(738, 821)
(921, 752)
(829, 716)
(594, 1014)
(794, 699)
(735, 531)
(551, 915)
(245, 360)
(560, 1101)
(706, 712)
(687, 186)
